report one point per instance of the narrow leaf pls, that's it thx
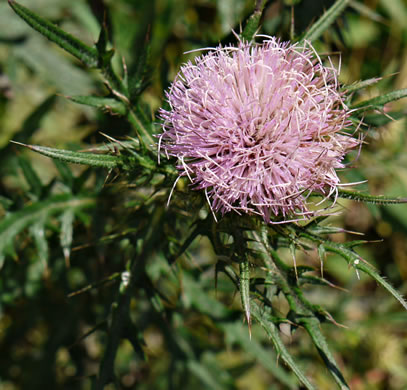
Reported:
(37, 231)
(355, 261)
(312, 326)
(379, 101)
(67, 219)
(379, 279)
(140, 74)
(273, 333)
(30, 176)
(14, 223)
(244, 287)
(317, 29)
(253, 22)
(88, 55)
(375, 199)
(235, 332)
(111, 105)
(204, 374)
(65, 173)
(30, 125)
(378, 120)
(360, 84)
(91, 159)
(105, 55)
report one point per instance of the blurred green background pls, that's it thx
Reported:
(42, 330)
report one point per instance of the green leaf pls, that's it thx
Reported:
(104, 103)
(88, 55)
(273, 333)
(312, 325)
(379, 101)
(376, 199)
(360, 84)
(105, 55)
(65, 173)
(31, 124)
(378, 120)
(204, 374)
(237, 333)
(14, 223)
(139, 78)
(194, 295)
(366, 268)
(67, 219)
(358, 263)
(91, 159)
(30, 176)
(253, 23)
(244, 288)
(37, 231)
(317, 29)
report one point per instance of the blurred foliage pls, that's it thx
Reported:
(69, 233)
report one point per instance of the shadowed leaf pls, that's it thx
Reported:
(317, 29)
(14, 223)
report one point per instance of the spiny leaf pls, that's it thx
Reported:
(325, 21)
(272, 331)
(252, 24)
(91, 159)
(244, 287)
(355, 261)
(14, 223)
(379, 101)
(360, 84)
(107, 104)
(311, 324)
(140, 74)
(376, 199)
(88, 55)
(379, 279)
(105, 55)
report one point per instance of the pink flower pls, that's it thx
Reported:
(258, 127)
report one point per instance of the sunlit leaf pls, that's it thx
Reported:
(87, 54)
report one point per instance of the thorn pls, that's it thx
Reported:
(109, 137)
(249, 322)
(20, 143)
(67, 257)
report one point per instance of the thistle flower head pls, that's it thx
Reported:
(258, 127)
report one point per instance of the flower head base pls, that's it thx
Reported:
(258, 127)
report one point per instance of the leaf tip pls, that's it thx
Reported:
(16, 142)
